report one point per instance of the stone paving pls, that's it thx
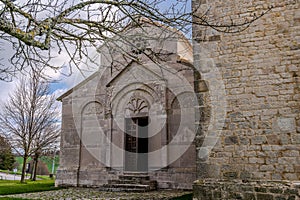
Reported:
(90, 193)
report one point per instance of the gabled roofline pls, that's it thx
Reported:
(67, 93)
(179, 60)
(118, 74)
(126, 68)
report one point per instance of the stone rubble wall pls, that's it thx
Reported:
(261, 75)
(260, 71)
(211, 190)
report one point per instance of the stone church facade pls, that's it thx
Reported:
(133, 118)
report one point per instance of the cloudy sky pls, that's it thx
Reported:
(59, 86)
(59, 82)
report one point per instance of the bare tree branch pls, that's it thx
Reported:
(40, 30)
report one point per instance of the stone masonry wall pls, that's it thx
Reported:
(259, 69)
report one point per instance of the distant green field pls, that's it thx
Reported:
(46, 159)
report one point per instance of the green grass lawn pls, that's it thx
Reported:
(11, 198)
(15, 187)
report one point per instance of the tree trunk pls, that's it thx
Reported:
(32, 170)
(36, 158)
(24, 168)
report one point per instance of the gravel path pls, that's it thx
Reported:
(89, 193)
(5, 176)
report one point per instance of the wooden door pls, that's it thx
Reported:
(136, 144)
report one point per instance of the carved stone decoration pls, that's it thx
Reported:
(108, 96)
(93, 108)
(159, 88)
(139, 44)
(136, 105)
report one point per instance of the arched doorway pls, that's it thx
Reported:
(136, 135)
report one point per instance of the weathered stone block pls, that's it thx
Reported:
(286, 124)
(245, 175)
(230, 175)
(290, 176)
(276, 176)
(214, 38)
(287, 160)
(276, 190)
(234, 195)
(280, 198)
(290, 153)
(206, 170)
(249, 196)
(217, 195)
(260, 189)
(292, 197)
(259, 139)
(244, 140)
(262, 196)
(230, 140)
(273, 139)
(267, 168)
(256, 160)
(202, 193)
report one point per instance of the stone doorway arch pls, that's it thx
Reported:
(136, 135)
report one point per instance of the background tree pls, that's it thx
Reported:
(40, 30)
(28, 119)
(44, 141)
(7, 159)
(41, 168)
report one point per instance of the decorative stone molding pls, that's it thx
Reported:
(92, 108)
(136, 106)
(139, 44)
(108, 96)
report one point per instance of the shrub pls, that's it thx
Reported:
(7, 159)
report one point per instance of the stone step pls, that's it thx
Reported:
(142, 182)
(126, 187)
(132, 177)
(131, 182)
(118, 181)
(135, 173)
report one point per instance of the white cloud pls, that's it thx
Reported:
(86, 68)
(6, 88)
(59, 92)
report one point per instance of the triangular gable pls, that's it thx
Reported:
(126, 69)
(67, 93)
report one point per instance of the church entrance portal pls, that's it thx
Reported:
(136, 144)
